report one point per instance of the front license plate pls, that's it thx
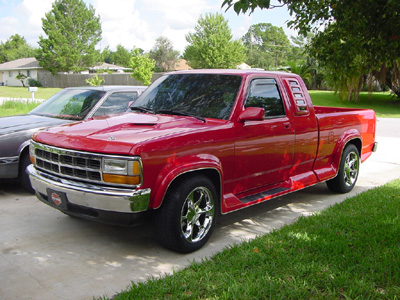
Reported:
(57, 199)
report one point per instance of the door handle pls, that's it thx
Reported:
(287, 125)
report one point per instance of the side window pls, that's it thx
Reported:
(265, 93)
(116, 103)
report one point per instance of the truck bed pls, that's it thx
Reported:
(334, 129)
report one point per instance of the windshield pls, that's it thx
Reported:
(201, 95)
(71, 104)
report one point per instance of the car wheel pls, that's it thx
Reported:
(349, 168)
(186, 219)
(23, 177)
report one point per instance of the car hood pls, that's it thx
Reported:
(20, 123)
(118, 134)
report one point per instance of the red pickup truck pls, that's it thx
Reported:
(197, 144)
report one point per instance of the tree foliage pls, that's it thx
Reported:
(358, 38)
(14, 48)
(142, 66)
(211, 45)
(164, 54)
(120, 57)
(21, 77)
(267, 46)
(95, 80)
(72, 31)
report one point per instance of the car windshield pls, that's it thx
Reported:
(71, 104)
(200, 95)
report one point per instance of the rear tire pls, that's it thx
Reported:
(349, 169)
(186, 219)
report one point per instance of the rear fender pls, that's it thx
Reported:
(351, 136)
(181, 166)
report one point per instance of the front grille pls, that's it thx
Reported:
(74, 164)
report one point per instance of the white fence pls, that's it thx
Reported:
(27, 100)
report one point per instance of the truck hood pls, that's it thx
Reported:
(21, 123)
(117, 134)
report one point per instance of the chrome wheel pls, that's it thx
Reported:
(186, 220)
(351, 168)
(197, 214)
(348, 171)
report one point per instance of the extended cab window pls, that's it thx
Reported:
(265, 93)
(116, 103)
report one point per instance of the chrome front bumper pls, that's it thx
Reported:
(90, 196)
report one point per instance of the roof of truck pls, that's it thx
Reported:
(231, 71)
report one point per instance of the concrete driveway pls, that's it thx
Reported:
(47, 255)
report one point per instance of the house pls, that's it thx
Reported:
(181, 64)
(243, 66)
(109, 67)
(28, 66)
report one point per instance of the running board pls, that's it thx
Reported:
(232, 202)
(262, 195)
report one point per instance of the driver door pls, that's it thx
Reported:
(263, 149)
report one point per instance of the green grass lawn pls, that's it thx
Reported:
(384, 105)
(348, 251)
(11, 107)
(22, 92)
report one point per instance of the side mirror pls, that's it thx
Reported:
(252, 114)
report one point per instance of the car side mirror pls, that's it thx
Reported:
(252, 114)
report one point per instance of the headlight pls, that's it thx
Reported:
(122, 171)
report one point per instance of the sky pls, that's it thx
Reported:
(136, 23)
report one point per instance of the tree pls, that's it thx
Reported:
(142, 66)
(266, 41)
(361, 38)
(21, 77)
(14, 48)
(211, 45)
(72, 31)
(121, 57)
(164, 54)
(297, 52)
(105, 55)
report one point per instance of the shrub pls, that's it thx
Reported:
(34, 82)
(95, 80)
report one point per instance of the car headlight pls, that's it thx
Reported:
(122, 171)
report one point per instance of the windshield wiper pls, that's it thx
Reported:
(180, 113)
(142, 109)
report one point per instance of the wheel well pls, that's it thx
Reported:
(212, 174)
(24, 152)
(357, 143)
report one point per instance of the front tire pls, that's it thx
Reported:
(23, 176)
(186, 219)
(348, 172)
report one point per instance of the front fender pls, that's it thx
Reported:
(177, 167)
(23, 146)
